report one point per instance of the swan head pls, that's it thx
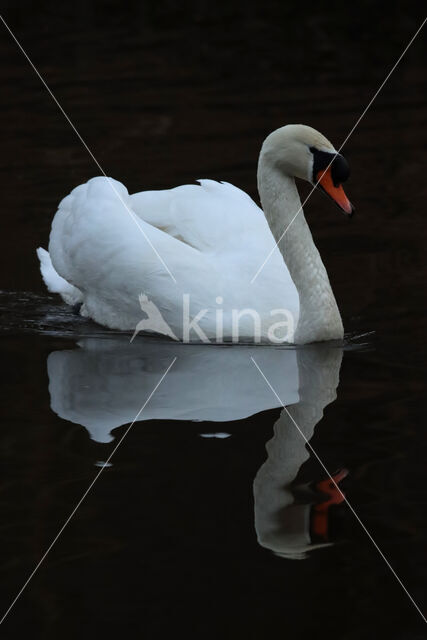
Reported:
(302, 152)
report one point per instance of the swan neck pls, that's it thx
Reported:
(319, 317)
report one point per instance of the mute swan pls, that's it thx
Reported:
(194, 251)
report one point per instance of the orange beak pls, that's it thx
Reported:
(325, 182)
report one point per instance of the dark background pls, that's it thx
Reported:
(164, 93)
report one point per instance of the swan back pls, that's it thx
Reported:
(213, 217)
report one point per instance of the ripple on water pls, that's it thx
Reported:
(26, 312)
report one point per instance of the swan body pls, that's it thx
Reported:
(193, 252)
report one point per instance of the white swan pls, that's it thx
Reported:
(193, 251)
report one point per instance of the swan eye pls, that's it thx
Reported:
(340, 170)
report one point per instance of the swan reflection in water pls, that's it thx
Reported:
(288, 527)
(103, 383)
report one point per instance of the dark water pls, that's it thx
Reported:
(236, 536)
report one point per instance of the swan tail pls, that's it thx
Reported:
(54, 282)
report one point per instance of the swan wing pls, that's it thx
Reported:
(205, 241)
(231, 232)
(210, 216)
(98, 245)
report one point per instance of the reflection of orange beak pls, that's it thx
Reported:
(325, 182)
(320, 512)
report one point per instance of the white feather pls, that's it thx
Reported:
(54, 282)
